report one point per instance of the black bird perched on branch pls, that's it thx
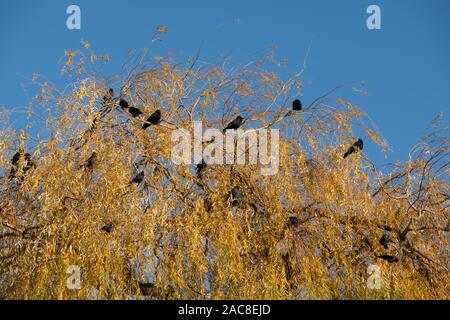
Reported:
(134, 111)
(124, 104)
(108, 228)
(15, 161)
(293, 221)
(287, 266)
(107, 98)
(385, 240)
(200, 167)
(388, 258)
(154, 118)
(237, 196)
(357, 146)
(138, 178)
(89, 164)
(296, 105)
(16, 157)
(235, 124)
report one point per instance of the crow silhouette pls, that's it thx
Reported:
(108, 228)
(357, 146)
(296, 105)
(89, 163)
(235, 124)
(154, 118)
(388, 258)
(287, 266)
(293, 221)
(138, 178)
(134, 111)
(123, 104)
(14, 163)
(385, 240)
(16, 160)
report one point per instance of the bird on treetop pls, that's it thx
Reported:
(296, 105)
(138, 178)
(354, 148)
(235, 124)
(155, 118)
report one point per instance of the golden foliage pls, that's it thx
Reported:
(182, 232)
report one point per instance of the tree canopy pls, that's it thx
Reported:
(311, 231)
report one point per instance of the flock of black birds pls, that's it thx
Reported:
(296, 106)
(155, 118)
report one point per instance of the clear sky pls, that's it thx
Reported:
(406, 64)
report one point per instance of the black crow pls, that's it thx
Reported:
(134, 111)
(296, 105)
(293, 221)
(385, 240)
(357, 146)
(237, 196)
(123, 104)
(15, 161)
(107, 98)
(388, 258)
(138, 178)
(154, 118)
(16, 157)
(200, 167)
(108, 228)
(235, 124)
(89, 164)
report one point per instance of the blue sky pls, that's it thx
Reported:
(405, 65)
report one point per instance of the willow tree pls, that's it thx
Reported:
(312, 230)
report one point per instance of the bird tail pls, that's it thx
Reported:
(346, 154)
